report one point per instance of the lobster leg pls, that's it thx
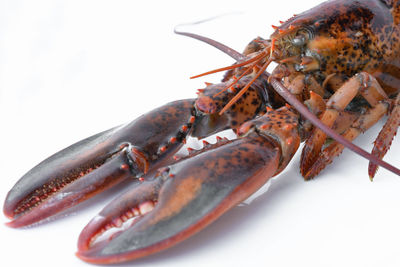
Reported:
(386, 135)
(362, 83)
(363, 123)
(99, 162)
(187, 196)
(301, 86)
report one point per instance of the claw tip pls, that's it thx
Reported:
(11, 224)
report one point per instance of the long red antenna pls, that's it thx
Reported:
(234, 66)
(226, 49)
(237, 79)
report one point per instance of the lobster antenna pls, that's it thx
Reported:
(226, 49)
(283, 91)
(234, 66)
(237, 79)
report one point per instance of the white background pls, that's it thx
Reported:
(71, 69)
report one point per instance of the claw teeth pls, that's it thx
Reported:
(205, 143)
(135, 212)
(117, 222)
(108, 231)
(146, 207)
(129, 214)
(46, 190)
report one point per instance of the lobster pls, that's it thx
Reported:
(125, 159)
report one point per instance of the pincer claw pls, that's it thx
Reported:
(98, 163)
(184, 198)
(110, 174)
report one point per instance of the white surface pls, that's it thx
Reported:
(71, 69)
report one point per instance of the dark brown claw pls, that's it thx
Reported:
(99, 162)
(183, 198)
(187, 196)
(98, 180)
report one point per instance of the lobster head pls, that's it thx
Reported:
(334, 37)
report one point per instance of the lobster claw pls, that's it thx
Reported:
(186, 196)
(98, 163)
(108, 158)
(183, 198)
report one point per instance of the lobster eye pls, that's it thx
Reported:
(303, 35)
(299, 40)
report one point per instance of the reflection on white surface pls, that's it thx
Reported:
(70, 69)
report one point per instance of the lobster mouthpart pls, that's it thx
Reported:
(314, 41)
(98, 163)
(187, 196)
